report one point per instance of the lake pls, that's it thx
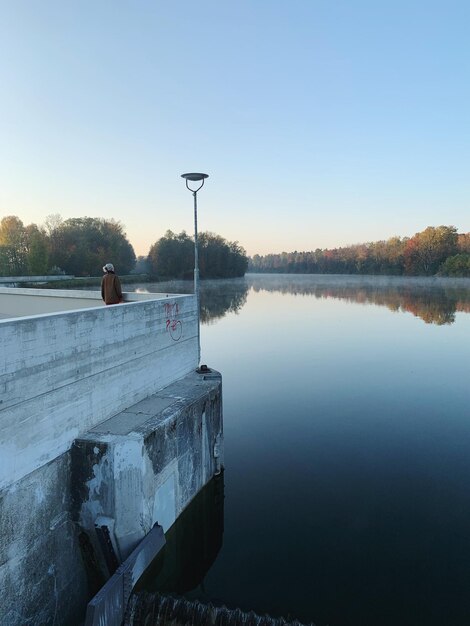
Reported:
(346, 495)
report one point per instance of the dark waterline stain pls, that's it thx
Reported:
(192, 544)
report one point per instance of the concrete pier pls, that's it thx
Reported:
(62, 373)
(104, 424)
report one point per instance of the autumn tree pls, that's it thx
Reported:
(427, 250)
(13, 244)
(463, 243)
(422, 254)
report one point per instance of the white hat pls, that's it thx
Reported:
(109, 267)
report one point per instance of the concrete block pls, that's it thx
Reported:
(142, 472)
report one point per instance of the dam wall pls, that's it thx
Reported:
(63, 373)
(104, 424)
(140, 467)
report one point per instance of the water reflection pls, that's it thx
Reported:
(347, 441)
(433, 300)
(218, 297)
(217, 302)
(192, 544)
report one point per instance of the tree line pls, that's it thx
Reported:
(172, 256)
(81, 246)
(78, 246)
(435, 250)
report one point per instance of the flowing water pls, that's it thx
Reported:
(347, 452)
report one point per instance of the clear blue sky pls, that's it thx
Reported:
(320, 122)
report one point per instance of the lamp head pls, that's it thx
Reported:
(194, 176)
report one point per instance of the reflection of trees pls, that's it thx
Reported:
(221, 297)
(433, 300)
(218, 297)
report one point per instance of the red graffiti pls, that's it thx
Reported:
(171, 309)
(173, 325)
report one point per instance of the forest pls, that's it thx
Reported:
(434, 251)
(81, 246)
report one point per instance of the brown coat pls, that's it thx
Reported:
(111, 289)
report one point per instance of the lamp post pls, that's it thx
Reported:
(196, 177)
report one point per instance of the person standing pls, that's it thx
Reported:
(111, 291)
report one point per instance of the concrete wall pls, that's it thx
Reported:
(42, 574)
(102, 417)
(139, 467)
(146, 464)
(21, 302)
(34, 279)
(64, 373)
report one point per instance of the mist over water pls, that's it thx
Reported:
(347, 448)
(434, 299)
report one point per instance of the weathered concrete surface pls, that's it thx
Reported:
(146, 464)
(67, 373)
(23, 302)
(64, 373)
(139, 467)
(42, 577)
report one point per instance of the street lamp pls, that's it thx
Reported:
(196, 177)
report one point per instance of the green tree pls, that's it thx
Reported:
(37, 251)
(141, 265)
(457, 265)
(220, 258)
(82, 245)
(237, 260)
(53, 229)
(172, 256)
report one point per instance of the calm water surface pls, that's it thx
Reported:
(347, 450)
